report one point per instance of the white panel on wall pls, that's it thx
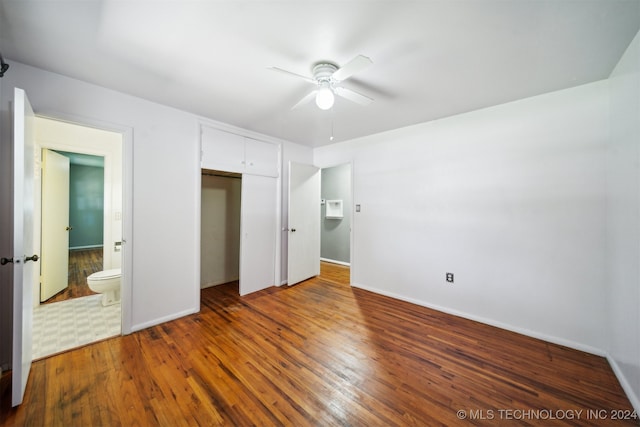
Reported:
(234, 153)
(261, 158)
(222, 150)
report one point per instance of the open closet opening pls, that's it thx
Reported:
(220, 229)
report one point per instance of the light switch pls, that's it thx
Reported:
(357, 208)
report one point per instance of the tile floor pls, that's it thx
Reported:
(73, 323)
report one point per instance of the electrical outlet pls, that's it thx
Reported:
(450, 277)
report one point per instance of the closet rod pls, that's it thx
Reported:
(221, 175)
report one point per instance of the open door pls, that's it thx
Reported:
(24, 266)
(55, 224)
(304, 222)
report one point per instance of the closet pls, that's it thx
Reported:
(239, 210)
(220, 228)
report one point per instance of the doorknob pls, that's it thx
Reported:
(33, 258)
(5, 261)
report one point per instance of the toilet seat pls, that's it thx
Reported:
(105, 275)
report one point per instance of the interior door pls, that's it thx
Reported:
(304, 222)
(24, 265)
(55, 224)
(258, 229)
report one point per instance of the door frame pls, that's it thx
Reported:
(351, 162)
(127, 199)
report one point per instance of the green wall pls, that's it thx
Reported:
(86, 206)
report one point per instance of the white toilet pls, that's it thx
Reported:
(107, 283)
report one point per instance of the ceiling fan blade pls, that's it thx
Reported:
(308, 79)
(311, 95)
(350, 68)
(351, 95)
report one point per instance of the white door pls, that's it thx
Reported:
(304, 222)
(24, 265)
(258, 229)
(55, 224)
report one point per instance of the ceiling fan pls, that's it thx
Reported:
(326, 77)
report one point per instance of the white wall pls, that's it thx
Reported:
(165, 163)
(166, 175)
(623, 222)
(510, 199)
(220, 230)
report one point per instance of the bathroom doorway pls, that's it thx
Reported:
(73, 316)
(335, 230)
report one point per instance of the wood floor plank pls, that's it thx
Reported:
(82, 263)
(317, 353)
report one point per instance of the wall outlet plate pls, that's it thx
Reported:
(450, 277)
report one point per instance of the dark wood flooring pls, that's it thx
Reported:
(82, 263)
(319, 353)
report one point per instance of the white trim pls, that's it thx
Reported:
(197, 220)
(155, 322)
(277, 256)
(491, 322)
(75, 248)
(333, 261)
(635, 400)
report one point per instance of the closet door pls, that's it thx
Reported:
(258, 229)
(222, 150)
(261, 158)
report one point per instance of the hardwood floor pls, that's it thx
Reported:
(319, 353)
(82, 263)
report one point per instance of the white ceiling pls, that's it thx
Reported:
(431, 58)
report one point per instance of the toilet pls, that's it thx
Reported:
(107, 283)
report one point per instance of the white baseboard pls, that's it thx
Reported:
(631, 394)
(77, 248)
(333, 261)
(174, 316)
(491, 322)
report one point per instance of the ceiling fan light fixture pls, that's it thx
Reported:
(325, 98)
